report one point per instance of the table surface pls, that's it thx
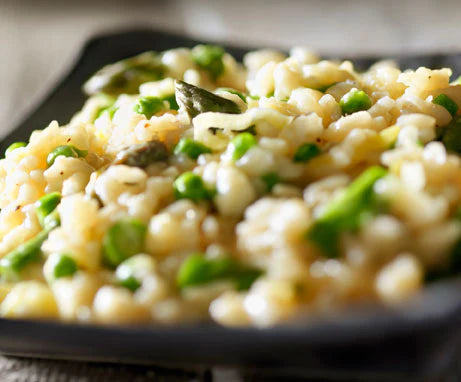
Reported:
(40, 40)
(14, 369)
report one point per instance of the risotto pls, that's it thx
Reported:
(191, 187)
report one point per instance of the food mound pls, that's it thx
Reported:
(191, 187)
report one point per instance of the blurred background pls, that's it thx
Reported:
(40, 39)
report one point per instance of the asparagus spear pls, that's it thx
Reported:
(126, 75)
(143, 154)
(346, 212)
(196, 100)
(197, 270)
(15, 261)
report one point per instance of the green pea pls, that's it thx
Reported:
(196, 270)
(355, 100)
(241, 144)
(209, 58)
(447, 103)
(191, 186)
(191, 148)
(306, 152)
(63, 266)
(149, 106)
(14, 146)
(123, 239)
(46, 204)
(130, 272)
(15, 261)
(346, 212)
(67, 151)
(270, 179)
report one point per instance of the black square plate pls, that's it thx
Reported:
(418, 340)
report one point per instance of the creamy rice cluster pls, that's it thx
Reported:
(191, 187)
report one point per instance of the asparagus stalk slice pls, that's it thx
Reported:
(125, 76)
(196, 100)
(346, 212)
(196, 270)
(15, 261)
(142, 155)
